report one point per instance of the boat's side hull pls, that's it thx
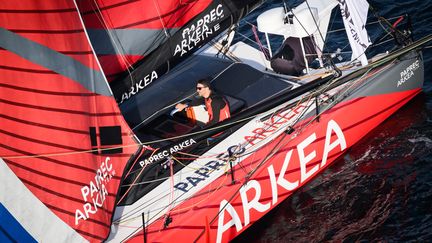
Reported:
(223, 210)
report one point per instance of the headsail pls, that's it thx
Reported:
(124, 32)
(354, 15)
(63, 141)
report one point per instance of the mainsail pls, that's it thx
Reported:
(138, 41)
(63, 142)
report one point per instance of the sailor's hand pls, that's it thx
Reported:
(180, 106)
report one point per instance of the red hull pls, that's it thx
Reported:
(296, 162)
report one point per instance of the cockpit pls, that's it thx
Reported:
(150, 112)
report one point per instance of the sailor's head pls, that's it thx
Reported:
(203, 88)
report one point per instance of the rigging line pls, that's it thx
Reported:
(235, 193)
(67, 153)
(210, 192)
(171, 197)
(160, 211)
(185, 165)
(300, 102)
(381, 43)
(139, 207)
(304, 29)
(136, 160)
(136, 178)
(316, 24)
(116, 41)
(257, 146)
(370, 23)
(379, 17)
(160, 19)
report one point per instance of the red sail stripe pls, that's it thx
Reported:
(69, 213)
(33, 90)
(172, 13)
(38, 11)
(12, 103)
(114, 65)
(90, 6)
(46, 159)
(43, 174)
(26, 70)
(49, 32)
(55, 193)
(36, 124)
(43, 142)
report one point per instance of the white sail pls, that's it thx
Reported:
(354, 14)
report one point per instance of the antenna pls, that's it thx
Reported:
(286, 18)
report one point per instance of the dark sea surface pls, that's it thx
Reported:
(381, 190)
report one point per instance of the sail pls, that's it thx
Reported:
(123, 32)
(63, 141)
(138, 41)
(354, 14)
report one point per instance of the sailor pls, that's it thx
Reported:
(216, 105)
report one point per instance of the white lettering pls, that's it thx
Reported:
(79, 215)
(408, 72)
(254, 203)
(95, 191)
(235, 219)
(85, 192)
(142, 84)
(303, 160)
(332, 126)
(295, 177)
(197, 32)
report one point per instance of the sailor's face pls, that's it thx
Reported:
(202, 90)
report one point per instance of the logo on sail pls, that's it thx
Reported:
(94, 194)
(200, 30)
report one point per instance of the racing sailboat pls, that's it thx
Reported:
(291, 118)
(77, 167)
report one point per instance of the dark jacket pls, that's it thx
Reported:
(217, 107)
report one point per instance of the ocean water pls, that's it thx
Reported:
(381, 190)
